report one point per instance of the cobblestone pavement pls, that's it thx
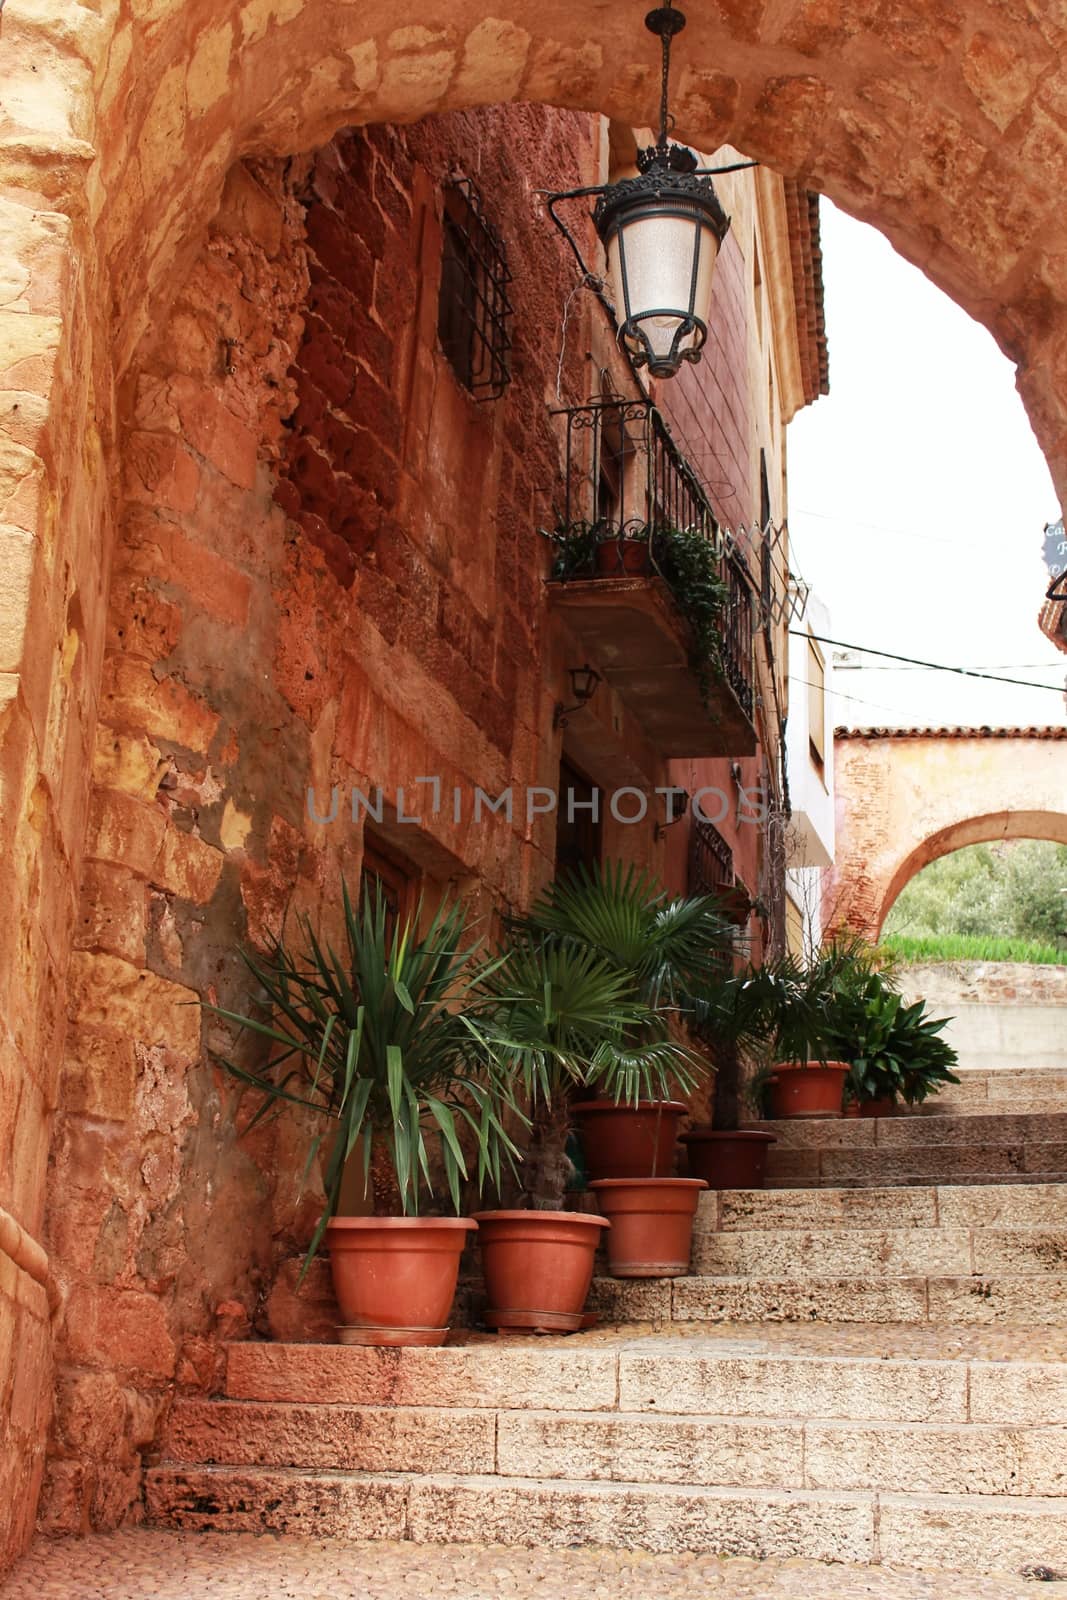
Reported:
(140, 1565)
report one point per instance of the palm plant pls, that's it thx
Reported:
(596, 973)
(387, 1043)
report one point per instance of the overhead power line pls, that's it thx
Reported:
(934, 666)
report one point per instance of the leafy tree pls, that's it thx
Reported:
(1013, 890)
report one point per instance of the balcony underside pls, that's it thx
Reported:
(636, 637)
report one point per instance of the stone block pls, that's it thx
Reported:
(187, 866)
(1037, 1300)
(973, 1533)
(129, 762)
(265, 1500)
(689, 1380)
(641, 1449)
(99, 1074)
(111, 912)
(337, 1438)
(1031, 1205)
(912, 1458)
(133, 698)
(1025, 1392)
(863, 1253)
(1013, 1250)
(109, 995)
(502, 1371)
(118, 1329)
(657, 1517)
(631, 1300)
(124, 831)
(1043, 1461)
(821, 1133)
(746, 1210)
(907, 1133)
(796, 1300)
(934, 1164)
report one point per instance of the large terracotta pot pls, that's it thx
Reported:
(651, 1224)
(623, 558)
(729, 1160)
(628, 1141)
(395, 1277)
(538, 1266)
(801, 1089)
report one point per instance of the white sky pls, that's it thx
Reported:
(918, 498)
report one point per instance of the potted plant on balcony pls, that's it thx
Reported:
(385, 1044)
(689, 563)
(665, 949)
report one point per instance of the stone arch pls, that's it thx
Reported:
(946, 127)
(989, 829)
(907, 796)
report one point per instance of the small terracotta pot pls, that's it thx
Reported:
(623, 558)
(538, 1266)
(651, 1224)
(884, 1106)
(395, 1277)
(808, 1090)
(733, 1160)
(628, 1141)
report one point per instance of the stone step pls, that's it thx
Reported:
(926, 1166)
(971, 1532)
(918, 1133)
(1002, 1300)
(645, 1371)
(903, 1252)
(781, 1452)
(1038, 1205)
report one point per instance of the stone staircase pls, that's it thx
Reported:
(872, 1369)
(743, 1445)
(938, 1148)
(989, 1091)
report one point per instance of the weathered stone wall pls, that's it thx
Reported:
(903, 800)
(328, 576)
(1005, 1014)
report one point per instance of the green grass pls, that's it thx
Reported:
(973, 947)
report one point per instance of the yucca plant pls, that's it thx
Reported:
(387, 1042)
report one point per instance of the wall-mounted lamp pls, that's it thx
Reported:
(661, 232)
(584, 683)
(673, 816)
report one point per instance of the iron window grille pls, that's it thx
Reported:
(625, 478)
(711, 861)
(473, 309)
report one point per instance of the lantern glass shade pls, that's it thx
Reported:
(662, 245)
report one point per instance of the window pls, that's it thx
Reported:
(578, 828)
(816, 676)
(387, 874)
(473, 308)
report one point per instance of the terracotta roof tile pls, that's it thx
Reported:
(950, 733)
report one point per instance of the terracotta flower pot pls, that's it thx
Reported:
(622, 558)
(800, 1089)
(651, 1224)
(538, 1266)
(395, 1277)
(628, 1141)
(883, 1106)
(728, 1160)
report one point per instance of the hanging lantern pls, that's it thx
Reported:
(661, 232)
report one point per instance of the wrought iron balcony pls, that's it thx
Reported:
(652, 584)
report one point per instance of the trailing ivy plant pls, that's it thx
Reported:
(689, 565)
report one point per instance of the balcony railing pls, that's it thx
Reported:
(626, 483)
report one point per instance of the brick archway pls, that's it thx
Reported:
(907, 796)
